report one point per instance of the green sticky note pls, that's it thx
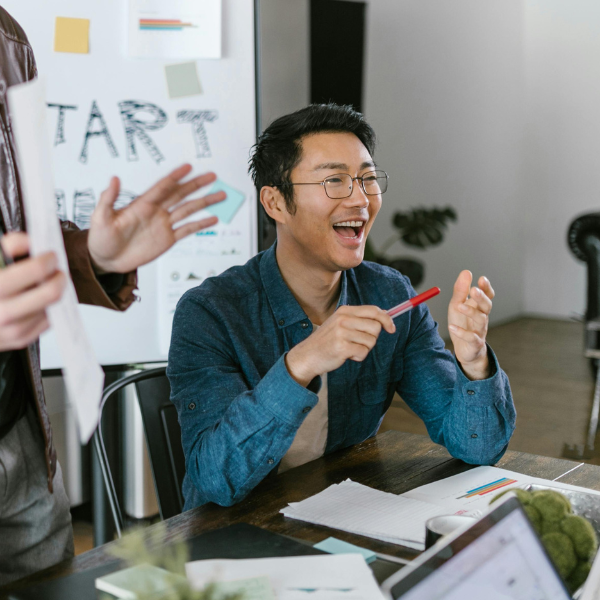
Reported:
(226, 209)
(182, 80)
(258, 588)
(335, 546)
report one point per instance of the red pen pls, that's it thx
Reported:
(410, 304)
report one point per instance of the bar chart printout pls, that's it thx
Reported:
(175, 29)
(488, 488)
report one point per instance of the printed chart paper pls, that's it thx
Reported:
(175, 28)
(84, 378)
(472, 490)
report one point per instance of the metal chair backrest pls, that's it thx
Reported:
(163, 438)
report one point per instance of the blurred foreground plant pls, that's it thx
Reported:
(151, 546)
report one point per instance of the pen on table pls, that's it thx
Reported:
(396, 311)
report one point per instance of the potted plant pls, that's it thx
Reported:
(417, 227)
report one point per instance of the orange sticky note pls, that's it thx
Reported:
(72, 35)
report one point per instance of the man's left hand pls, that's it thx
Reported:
(122, 240)
(468, 317)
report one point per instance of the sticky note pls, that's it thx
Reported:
(72, 35)
(182, 80)
(226, 210)
(335, 546)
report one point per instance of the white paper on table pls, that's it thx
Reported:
(450, 493)
(328, 573)
(199, 35)
(359, 509)
(84, 378)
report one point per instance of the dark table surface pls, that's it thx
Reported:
(392, 462)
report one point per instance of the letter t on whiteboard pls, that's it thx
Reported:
(84, 378)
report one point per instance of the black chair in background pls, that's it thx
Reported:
(584, 241)
(163, 438)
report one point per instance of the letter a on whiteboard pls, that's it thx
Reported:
(84, 378)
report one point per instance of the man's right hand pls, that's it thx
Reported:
(349, 334)
(27, 288)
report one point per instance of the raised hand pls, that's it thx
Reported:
(27, 288)
(349, 334)
(468, 317)
(122, 240)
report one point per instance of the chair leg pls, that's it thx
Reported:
(103, 475)
(587, 451)
(104, 529)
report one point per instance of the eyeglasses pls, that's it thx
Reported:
(341, 185)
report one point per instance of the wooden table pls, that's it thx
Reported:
(393, 462)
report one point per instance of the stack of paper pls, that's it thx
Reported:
(327, 577)
(359, 509)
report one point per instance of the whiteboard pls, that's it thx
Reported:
(107, 82)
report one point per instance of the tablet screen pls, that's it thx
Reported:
(498, 558)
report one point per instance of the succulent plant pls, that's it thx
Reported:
(569, 539)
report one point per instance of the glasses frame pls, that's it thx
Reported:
(352, 180)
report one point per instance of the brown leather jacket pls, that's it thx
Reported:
(17, 65)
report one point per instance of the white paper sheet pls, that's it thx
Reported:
(327, 575)
(84, 378)
(359, 509)
(460, 493)
(175, 29)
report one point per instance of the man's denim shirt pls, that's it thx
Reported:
(240, 409)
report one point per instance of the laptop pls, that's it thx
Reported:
(500, 557)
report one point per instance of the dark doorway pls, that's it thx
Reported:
(337, 39)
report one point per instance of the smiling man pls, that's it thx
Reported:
(292, 356)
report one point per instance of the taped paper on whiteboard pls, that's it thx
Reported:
(84, 378)
(174, 29)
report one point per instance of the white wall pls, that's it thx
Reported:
(285, 57)
(490, 106)
(444, 85)
(562, 158)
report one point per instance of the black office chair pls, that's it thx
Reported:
(584, 241)
(163, 438)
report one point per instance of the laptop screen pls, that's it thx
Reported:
(498, 558)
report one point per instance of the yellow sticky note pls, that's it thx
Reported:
(72, 35)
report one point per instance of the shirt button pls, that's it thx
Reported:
(470, 392)
(306, 409)
(304, 325)
(192, 405)
(270, 461)
(281, 322)
(474, 436)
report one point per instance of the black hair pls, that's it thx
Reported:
(279, 149)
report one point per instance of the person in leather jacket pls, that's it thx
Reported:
(35, 522)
